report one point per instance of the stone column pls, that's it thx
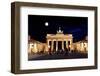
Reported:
(48, 42)
(71, 43)
(52, 43)
(63, 45)
(56, 45)
(66, 44)
(69, 46)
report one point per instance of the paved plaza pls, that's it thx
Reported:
(57, 56)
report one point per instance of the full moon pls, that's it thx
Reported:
(46, 23)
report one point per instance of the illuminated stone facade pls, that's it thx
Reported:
(36, 46)
(81, 46)
(59, 41)
(55, 42)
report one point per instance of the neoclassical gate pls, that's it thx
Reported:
(59, 41)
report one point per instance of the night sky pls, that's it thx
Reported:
(77, 26)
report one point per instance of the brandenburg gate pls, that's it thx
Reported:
(59, 41)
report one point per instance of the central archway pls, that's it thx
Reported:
(59, 45)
